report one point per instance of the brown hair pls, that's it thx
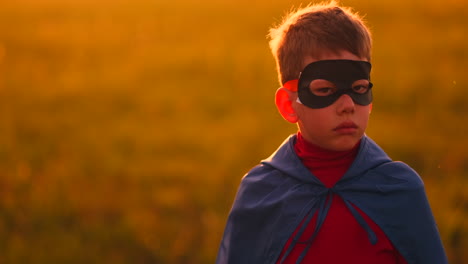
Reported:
(314, 30)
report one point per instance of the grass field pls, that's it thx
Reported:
(126, 126)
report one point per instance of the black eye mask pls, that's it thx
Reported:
(342, 73)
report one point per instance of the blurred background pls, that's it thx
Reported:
(126, 126)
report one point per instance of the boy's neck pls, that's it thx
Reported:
(327, 165)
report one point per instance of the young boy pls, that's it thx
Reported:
(329, 194)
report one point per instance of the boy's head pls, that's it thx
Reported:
(322, 54)
(313, 31)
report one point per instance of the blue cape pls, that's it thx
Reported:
(275, 196)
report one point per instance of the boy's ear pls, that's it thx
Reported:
(284, 101)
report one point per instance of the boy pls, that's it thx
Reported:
(329, 194)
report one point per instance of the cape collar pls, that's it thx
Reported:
(286, 160)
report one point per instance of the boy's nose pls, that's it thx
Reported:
(345, 104)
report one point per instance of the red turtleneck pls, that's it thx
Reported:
(340, 239)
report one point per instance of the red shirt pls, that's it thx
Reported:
(340, 239)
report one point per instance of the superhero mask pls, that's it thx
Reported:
(321, 83)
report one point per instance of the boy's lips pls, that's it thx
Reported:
(347, 127)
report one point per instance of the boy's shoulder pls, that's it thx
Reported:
(261, 180)
(396, 174)
(377, 167)
(399, 170)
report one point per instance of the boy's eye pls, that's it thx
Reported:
(361, 86)
(324, 91)
(360, 89)
(322, 87)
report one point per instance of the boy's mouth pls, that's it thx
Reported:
(347, 127)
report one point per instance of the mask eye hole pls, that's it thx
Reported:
(361, 86)
(320, 87)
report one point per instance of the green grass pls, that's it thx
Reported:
(125, 127)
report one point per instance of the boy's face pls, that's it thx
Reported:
(338, 126)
